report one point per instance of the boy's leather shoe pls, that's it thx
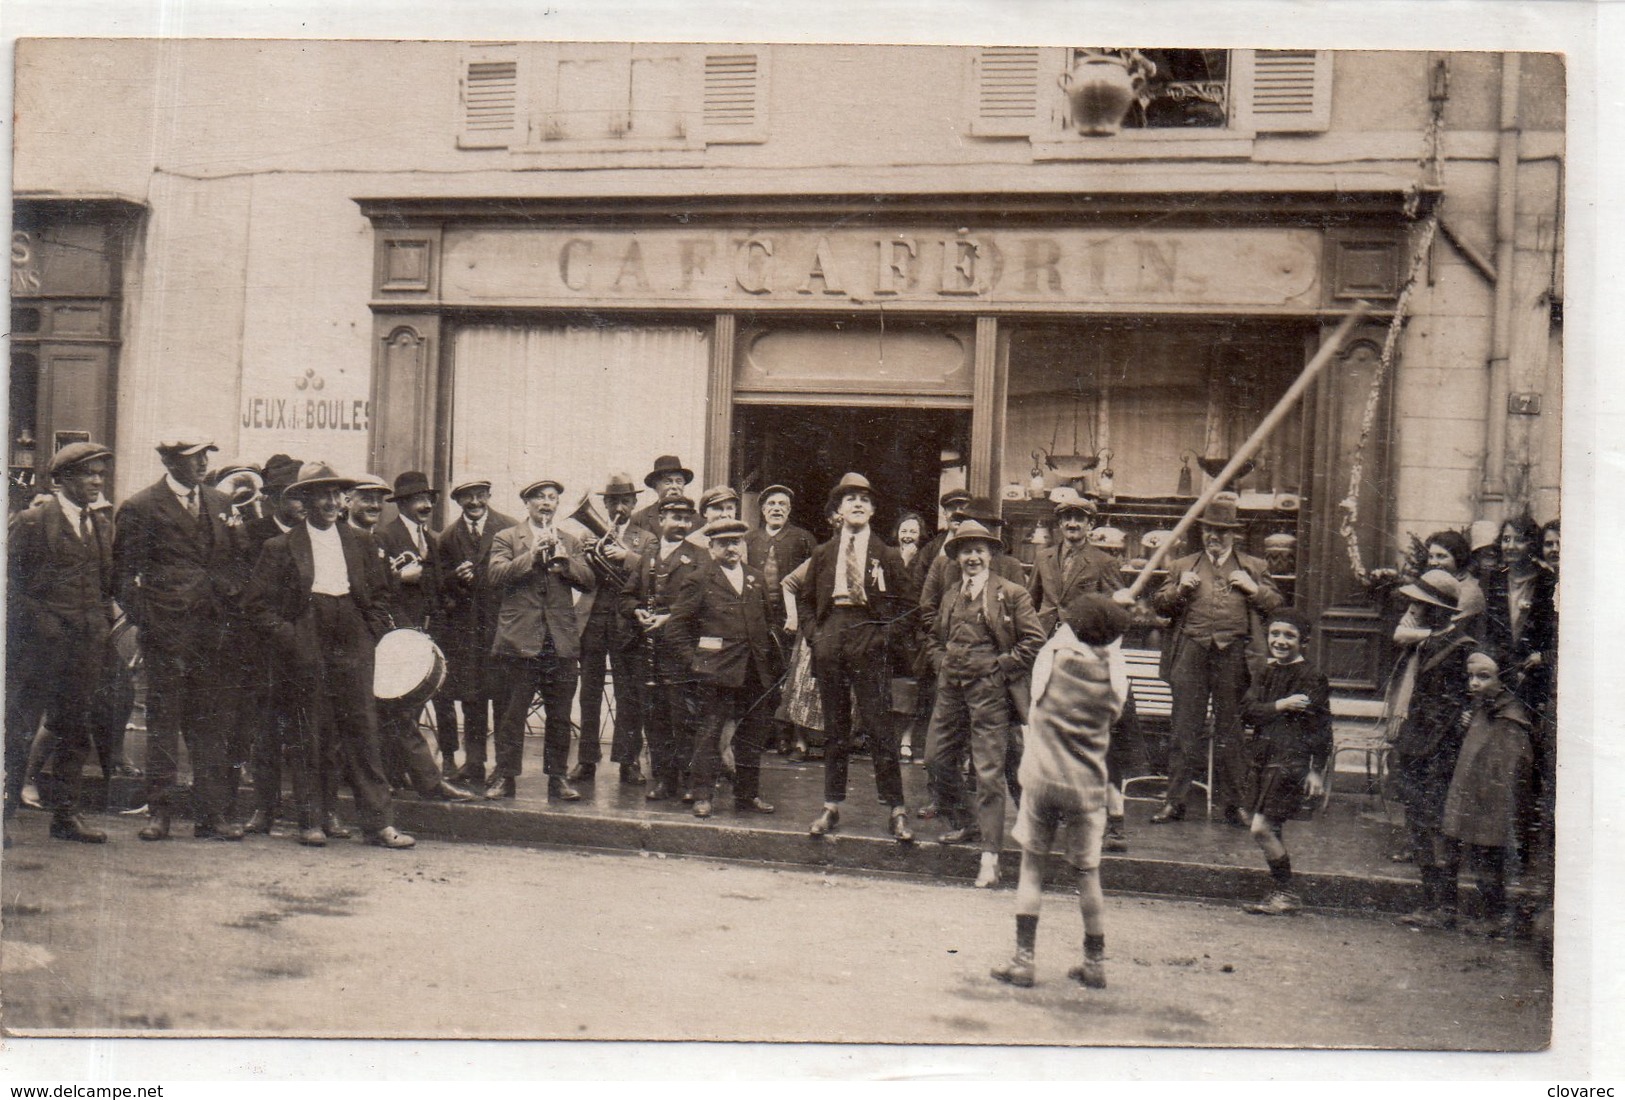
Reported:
(1092, 974)
(1019, 971)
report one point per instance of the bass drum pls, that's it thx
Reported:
(408, 669)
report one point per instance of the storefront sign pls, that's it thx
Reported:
(1276, 268)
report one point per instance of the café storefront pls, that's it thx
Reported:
(1124, 346)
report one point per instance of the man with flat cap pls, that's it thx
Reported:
(609, 640)
(469, 629)
(648, 597)
(726, 610)
(717, 502)
(668, 476)
(321, 604)
(539, 569)
(59, 621)
(851, 600)
(947, 504)
(1072, 566)
(1216, 600)
(177, 573)
(777, 548)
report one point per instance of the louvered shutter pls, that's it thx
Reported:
(1282, 91)
(733, 97)
(489, 100)
(1013, 91)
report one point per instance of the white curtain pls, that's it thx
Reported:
(575, 403)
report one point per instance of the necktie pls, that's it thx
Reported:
(966, 590)
(475, 527)
(854, 571)
(191, 501)
(417, 540)
(84, 526)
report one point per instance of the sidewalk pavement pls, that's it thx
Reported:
(1340, 857)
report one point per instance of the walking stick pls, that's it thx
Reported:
(1254, 441)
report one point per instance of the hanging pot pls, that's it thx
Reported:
(1101, 88)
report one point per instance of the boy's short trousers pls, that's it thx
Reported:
(1049, 811)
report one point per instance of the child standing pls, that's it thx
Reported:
(1289, 708)
(1078, 693)
(1491, 783)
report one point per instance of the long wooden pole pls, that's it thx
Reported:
(1254, 441)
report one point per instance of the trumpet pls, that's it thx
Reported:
(245, 488)
(588, 516)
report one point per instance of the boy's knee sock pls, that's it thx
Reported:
(1094, 947)
(1281, 872)
(1026, 931)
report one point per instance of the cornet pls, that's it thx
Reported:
(245, 488)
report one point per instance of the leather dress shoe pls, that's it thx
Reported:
(962, 835)
(333, 828)
(157, 828)
(631, 774)
(584, 773)
(218, 830)
(899, 827)
(688, 795)
(501, 786)
(389, 837)
(312, 837)
(1171, 811)
(825, 821)
(926, 812)
(258, 822)
(702, 807)
(752, 806)
(659, 792)
(558, 787)
(125, 770)
(469, 776)
(445, 791)
(72, 827)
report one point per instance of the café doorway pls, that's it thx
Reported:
(910, 455)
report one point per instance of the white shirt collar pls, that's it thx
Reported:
(180, 490)
(280, 525)
(70, 509)
(976, 584)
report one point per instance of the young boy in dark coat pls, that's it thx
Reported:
(1289, 710)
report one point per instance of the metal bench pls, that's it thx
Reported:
(1154, 705)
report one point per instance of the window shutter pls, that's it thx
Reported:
(488, 100)
(1282, 91)
(733, 97)
(1014, 91)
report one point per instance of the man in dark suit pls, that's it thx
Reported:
(777, 548)
(1215, 600)
(59, 621)
(1072, 566)
(265, 713)
(609, 638)
(668, 476)
(468, 629)
(414, 604)
(176, 573)
(981, 646)
(726, 610)
(850, 603)
(648, 598)
(319, 602)
(538, 569)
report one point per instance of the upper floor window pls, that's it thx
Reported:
(1022, 91)
(532, 97)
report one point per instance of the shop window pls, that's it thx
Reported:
(541, 97)
(1017, 91)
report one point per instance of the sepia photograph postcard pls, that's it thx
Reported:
(936, 542)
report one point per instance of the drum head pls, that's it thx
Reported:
(404, 662)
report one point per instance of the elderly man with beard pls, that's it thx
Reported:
(610, 639)
(467, 630)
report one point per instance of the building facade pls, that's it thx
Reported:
(785, 261)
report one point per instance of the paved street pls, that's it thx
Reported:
(467, 940)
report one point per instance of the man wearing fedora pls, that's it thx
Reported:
(777, 548)
(320, 602)
(1216, 599)
(982, 646)
(539, 569)
(468, 630)
(59, 620)
(176, 573)
(726, 610)
(668, 476)
(610, 639)
(650, 594)
(849, 605)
